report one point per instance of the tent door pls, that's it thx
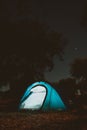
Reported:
(36, 98)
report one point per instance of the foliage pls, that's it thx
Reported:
(79, 71)
(84, 15)
(23, 7)
(66, 88)
(79, 68)
(13, 9)
(27, 49)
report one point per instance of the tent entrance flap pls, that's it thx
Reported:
(35, 99)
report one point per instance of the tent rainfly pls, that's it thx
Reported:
(41, 96)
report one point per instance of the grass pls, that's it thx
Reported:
(43, 121)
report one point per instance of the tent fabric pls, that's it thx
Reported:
(41, 96)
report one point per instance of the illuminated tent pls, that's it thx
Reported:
(41, 96)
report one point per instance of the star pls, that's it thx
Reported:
(75, 48)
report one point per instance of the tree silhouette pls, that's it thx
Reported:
(15, 9)
(24, 8)
(84, 15)
(27, 49)
(67, 88)
(79, 71)
(79, 68)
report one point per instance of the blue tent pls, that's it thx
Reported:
(41, 96)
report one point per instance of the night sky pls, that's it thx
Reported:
(64, 16)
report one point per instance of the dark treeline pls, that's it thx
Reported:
(74, 89)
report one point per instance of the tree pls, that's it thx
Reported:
(79, 68)
(28, 48)
(15, 9)
(84, 15)
(66, 88)
(79, 72)
(24, 8)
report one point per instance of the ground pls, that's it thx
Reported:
(43, 121)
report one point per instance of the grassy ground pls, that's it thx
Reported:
(43, 121)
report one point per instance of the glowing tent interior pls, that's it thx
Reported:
(41, 96)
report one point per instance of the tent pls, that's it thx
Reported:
(41, 96)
